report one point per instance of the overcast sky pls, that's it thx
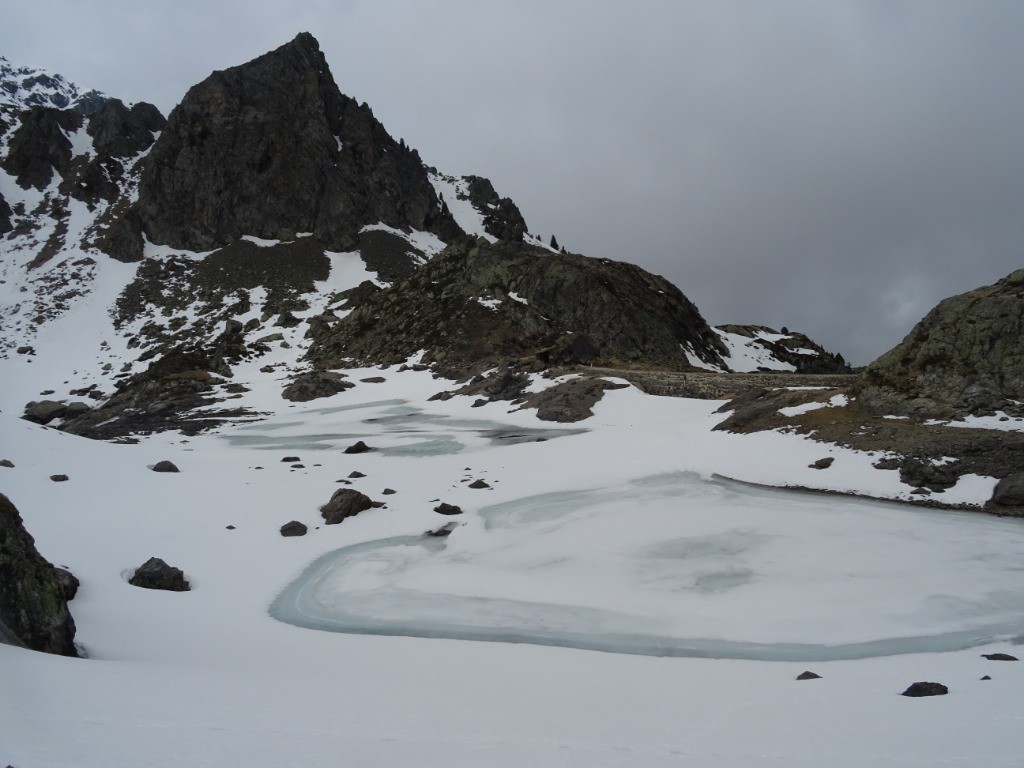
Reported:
(835, 167)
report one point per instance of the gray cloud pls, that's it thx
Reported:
(834, 167)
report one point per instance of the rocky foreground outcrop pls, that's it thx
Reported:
(965, 357)
(477, 304)
(33, 594)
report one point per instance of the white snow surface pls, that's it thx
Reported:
(615, 534)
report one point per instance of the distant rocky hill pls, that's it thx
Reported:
(754, 348)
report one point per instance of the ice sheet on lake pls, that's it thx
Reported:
(393, 427)
(679, 565)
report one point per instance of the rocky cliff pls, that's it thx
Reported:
(33, 602)
(966, 356)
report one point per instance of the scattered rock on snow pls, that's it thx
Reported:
(448, 509)
(165, 466)
(156, 574)
(356, 474)
(290, 459)
(479, 484)
(359, 447)
(345, 502)
(293, 528)
(59, 478)
(1000, 657)
(7, 463)
(44, 411)
(808, 676)
(824, 463)
(313, 385)
(926, 689)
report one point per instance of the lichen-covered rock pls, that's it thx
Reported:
(33, 595)
(965, 357)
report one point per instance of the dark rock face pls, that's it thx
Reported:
(156, 574)
(272, 148)
(345, 503)
(315, 384)
(120, 131)
(5, 216)
(33, 595)
(965, 357)
(926, 689)
(39, 146)
(628, 315)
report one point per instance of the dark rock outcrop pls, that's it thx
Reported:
(33, 595)
(5, 216)
(965, 357)
(345, 502)
(476, 304)
(44, 411)
(156, 574)
(272, 148)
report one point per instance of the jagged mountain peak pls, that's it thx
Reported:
(24, 87)
(272, 148)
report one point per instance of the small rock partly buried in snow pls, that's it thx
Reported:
(293, 528)
(824, 463)
(373, 380)
(447, 509)
(156, 574)
(165, 466)
(389, 491)
(359, 447)
(479, 484)
(926, 689)
(229, 527)
(444, 530)
(290, 459)
(59, 478)
(355, 473)
(7, 463)
(986, 677)
(1000, 657)
(808, 676)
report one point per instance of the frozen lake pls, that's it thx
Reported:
(681, 565)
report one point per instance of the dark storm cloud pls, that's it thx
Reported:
(834, 167)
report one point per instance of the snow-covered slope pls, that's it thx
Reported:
(22, 87)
